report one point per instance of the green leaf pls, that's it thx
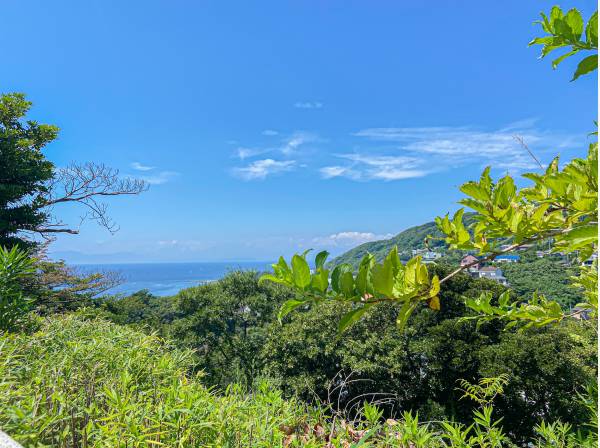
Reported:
(289, 306)
(591, 31)
(301, 271)
(336, 275)
(363, 278)
(575, 22)
(271, 278)
(586, 65)
(475, 190)
(320, 280)
(555, 14)
(404, 313)
(320, 259)
(559, 59)
(383, 278)
(347, 284)
(352, 317)
(582, 236)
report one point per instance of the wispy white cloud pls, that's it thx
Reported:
(260, 169)
(375, 167)
(348, 239)
(289, 148)
(150, 175)
(141, 167)
(269, 132)
(293, 143)
(289, 145)
(308, 105)
(459, 146)
(245, 153)
(159, 178)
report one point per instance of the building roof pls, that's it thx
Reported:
(490, 269)
(508, 257)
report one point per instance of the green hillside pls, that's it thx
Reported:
(411, 238)
(548, 276)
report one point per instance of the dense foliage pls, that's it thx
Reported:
(226, 323)
(88, 383)
(233, 327)
(547, 276)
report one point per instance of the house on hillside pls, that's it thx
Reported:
(470, 260)
(507, 258)
(590, 261)
(492, 273)
(429, 256)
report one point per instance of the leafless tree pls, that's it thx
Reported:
(87, 185)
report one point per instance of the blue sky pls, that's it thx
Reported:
(269, 127)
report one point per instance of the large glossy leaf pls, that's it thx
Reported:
(301, 271)
(320, 259)
(586, 65)
(351, 317)
(288, 307)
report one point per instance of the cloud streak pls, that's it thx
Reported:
(141, 167)
(150, 176)
(375, 167)
(308, 105)
(458, 146)
(159, 178)
(348, 239)
(261, 169)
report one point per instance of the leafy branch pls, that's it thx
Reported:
(560, 206)
(567, 30)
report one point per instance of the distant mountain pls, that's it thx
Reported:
(406, 241)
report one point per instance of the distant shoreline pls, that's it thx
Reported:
(167, 279)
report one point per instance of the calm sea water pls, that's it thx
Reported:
(164, 279)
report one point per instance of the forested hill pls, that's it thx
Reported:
(411, 238)
(549, 276)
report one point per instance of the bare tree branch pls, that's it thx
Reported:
(87, 185)
(521, 141)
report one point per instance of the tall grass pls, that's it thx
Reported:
(89, 383)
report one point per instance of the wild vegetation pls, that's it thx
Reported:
(389, 352)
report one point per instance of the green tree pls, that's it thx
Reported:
(24, 170)
(225, 322)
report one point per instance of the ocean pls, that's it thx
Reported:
(165, 279)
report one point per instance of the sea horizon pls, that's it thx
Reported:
(168, 278)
